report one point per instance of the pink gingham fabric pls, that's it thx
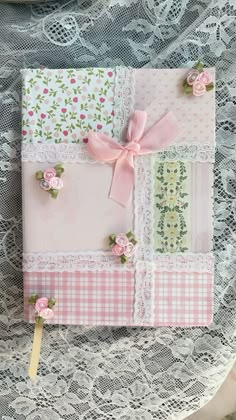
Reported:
(107, 298)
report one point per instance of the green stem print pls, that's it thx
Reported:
(171, 206)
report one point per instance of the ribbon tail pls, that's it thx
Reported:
(123, 180)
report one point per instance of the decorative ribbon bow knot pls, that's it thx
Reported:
(105, 149)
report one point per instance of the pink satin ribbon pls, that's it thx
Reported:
(103, 148)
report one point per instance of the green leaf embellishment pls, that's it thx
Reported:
(32, 299)
(198, 81)
(50, 179)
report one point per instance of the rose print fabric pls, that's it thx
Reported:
(60, 106)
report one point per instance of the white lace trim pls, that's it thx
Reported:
(144, 292)
(74, 261)
(124, 100)
(196, 152)
(51, 152)
(184, 262)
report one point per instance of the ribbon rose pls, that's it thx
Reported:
(103, 148)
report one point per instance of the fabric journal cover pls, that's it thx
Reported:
(128, 239)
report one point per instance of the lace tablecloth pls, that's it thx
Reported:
(115, 373)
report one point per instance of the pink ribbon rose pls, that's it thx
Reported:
(198, 88)
(129, 250)
(49, 173)
(56, 183)
(44, 184)
(205, 78)
(117, 250)
(122, 240)
(46, 313)
(192, 76)
(41, 303)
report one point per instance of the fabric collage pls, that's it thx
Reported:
(157, 187)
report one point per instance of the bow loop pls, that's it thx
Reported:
(105, 149)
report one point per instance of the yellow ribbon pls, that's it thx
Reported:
(34, 361)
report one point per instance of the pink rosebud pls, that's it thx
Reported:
(82, 116)
(90, 116)
(105, 113)
(112, 113)
(49, 73)
(54, 120)
(111, 99)
(37, 87)
(41, 303)
(68, 92)
(82, 133)
(121, 239)
(59, 99)
(91, 106)
(56, 134)
(46, 313)
(95, 89)
(129, 250)
(98, 81)
(60, 71)
(192, 76)
(110, 74)
(31, 132)
(28, 98)
(24, 132)
(74, 136)
(102, 100)
(198, 88)
(99, 126)
(46, 101)
(44, 184)
(47, 128)
(79, 77)
(56, 183)
(45, 90)
(43, 116)
(30, 113)
(117, 250)
(65, 132)
(32, 122)
(85, 140)
(83, 97)
(49, 173)
(73, 108)
(84, 89)
(63, 110)
(75, 99)
(72, 81)
(205, 78)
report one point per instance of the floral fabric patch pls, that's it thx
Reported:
(61, 106)
(171, 206)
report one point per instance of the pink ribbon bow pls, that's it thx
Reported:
(101, 147)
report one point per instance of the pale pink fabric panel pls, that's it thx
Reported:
(82, 216)
(201, 207)
(159, 91)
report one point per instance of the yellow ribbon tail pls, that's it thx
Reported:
(34, 361)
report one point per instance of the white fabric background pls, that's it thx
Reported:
(115, 373)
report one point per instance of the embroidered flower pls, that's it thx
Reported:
(198, 81)
(56, 183)
(198, 88)
(205, 78)
(44, 184)
(46, 313)
(129, 250)
(41, 303)
(123, 245)
(49, 173)
(192, 76)
(50, 180)
(117, 250)
(122, 239)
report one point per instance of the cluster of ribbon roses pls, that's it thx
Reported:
(50, 180)
(123, 245)
(43, 308)
(198, 81)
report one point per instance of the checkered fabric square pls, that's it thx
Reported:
(183, 299)
(105, 298)
(101, 298)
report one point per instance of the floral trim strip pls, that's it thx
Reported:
(172, 203)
